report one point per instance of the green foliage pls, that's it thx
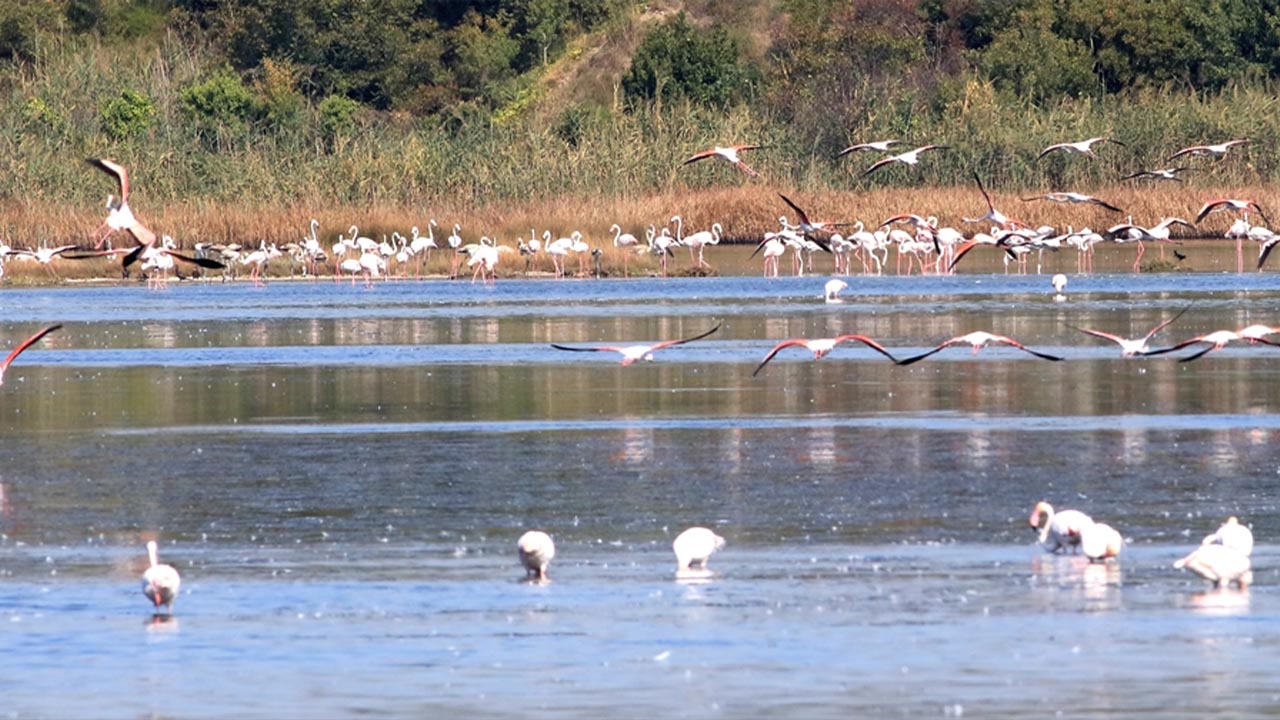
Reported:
(126, 115)
(679, 61)
(84, 15)
(283, 105)
(23, 25)
(37, 111)
(338, 116)
(221, 103)
(138, 19)
(1028, 59)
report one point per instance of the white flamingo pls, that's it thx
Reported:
(160, 582)
(694, 546)
(536, 549)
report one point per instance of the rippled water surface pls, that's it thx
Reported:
(340, 475)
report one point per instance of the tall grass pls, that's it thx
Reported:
(503, 178)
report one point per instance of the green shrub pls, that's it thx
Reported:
(127, 115)
(338, 116)
(678, 60)
(221, 102)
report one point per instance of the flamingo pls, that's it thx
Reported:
(993, 215)
(120, 217)
(45, 256)
(633, 353)
(1219, 564)
(694, 546)
(810, 227)
(1214, 341)
(1073, 198)
(1256, 333)
(1159, 232)
(1221, 204)
(422, 243)
(821, 346)
(774, 247)
(832, 290)
(258, 259)
(1233, 535)
(729, 153)
(160, 582)
(1084, 147)
(1060, 530)
(701, 240)
(1208, 150)
(880, 145)
(455, 242)
(1100, 541)
(1135, 346)
(4, 365)
(910, 157)
(625, 241)
(978, 340)
(536, 550)
(582, 249)
(1163, 174)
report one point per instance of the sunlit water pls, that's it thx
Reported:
(340, 474)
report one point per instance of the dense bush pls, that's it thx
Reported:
(126, 115)
(678, 61)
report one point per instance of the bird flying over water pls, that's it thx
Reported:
(1135, 346)
(4, 364)
(977, 340)
(821, 346)
(632, 353)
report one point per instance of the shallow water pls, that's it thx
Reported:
(340, 475)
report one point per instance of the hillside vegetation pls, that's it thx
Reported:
(239, 118)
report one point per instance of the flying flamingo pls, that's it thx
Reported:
(1073, 197)
(1084, 147)
(1159, 232)
(821, 346)
(727, 153)
(1208, 150)
(910, 157)
(632, 353)
(880, 145)
(1214, 341)
(810, 227)
(1135, 346)
(4, 365)
(1219, 564)
(160, 582)
(536, 551)
(1163, 174)
(694, 546)
(1060, 530)
(120, 216)
(993, 215)
(45, 256)
(977, 340)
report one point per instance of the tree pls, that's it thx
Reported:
(678, 60)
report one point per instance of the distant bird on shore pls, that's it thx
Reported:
(821, 346)
(1084, 147)
(633, 353)
(536, 550)
(119, 216)
(977, 340)
(160, 582)
(1208, 150)
(694, 546)
(1135, 346)
(880, 145)
(730, 154)
(910, 157)
(4, 364)
(1073, 198)
(1164, 174)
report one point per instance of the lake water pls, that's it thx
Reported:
(340, 474)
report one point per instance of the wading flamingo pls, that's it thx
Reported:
(160, 582)
(694, 546)
(536, 551)
(1233, 535)
(1059, 531)
(1220, 565)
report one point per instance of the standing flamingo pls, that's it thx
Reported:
(4, 365)
(694, 546)
(1060, 530)
(160, 582)
(536, 550)
(623, 241)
